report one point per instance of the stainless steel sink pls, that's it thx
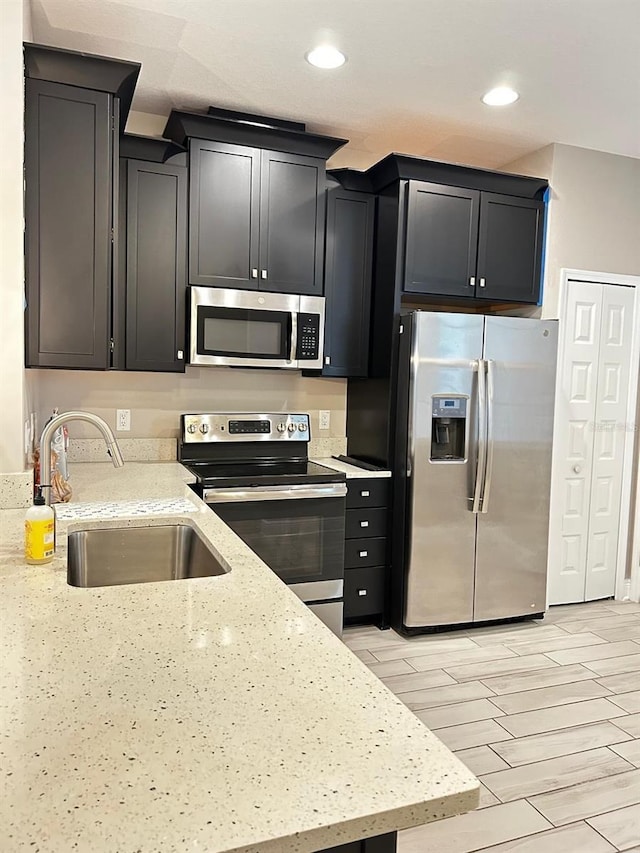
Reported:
(111, 556)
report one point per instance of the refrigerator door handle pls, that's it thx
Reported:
(413, 369)
(486, 488)
(481, 455)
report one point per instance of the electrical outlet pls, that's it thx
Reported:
(123, 420)
(325, 419)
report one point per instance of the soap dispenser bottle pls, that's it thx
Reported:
(39, 532)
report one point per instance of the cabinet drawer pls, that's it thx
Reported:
(363, 591)
(367, 492)
(369, 523)
(365, 552)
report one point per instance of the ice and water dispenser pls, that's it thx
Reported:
(448, 429)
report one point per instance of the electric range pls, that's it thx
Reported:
(253, 470)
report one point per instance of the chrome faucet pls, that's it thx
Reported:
(45, 445)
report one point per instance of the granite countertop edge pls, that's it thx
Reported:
(103, 687)
(353, 472)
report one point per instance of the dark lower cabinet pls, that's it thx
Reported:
(364, 591)
(347, 282)
(366, 573)
(256, 218)
(510, 248)
(70, 146)
(156, 225)
(386, 843)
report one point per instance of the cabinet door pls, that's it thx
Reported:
(442, 238)
(224, 206)
(156, 266)
(347, 282)
(291, 223)
(510, 248)
(68, 221)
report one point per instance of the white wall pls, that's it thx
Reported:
(13, 397)
(593, 216)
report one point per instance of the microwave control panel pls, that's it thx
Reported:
(308, 336)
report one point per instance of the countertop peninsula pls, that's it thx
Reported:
(214, 714)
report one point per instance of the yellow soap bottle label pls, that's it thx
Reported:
(39, 539)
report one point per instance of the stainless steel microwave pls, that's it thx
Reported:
(250, 328)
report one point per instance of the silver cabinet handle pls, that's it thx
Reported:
(362, 592)
(483, 282)
(254, 273)
(180, 354)
(363, 554)
(481, 454)
(576, 469)
(490, 442)
(264, 273)
(364, 494)
(472, 281)
(364, 524)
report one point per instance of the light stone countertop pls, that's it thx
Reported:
(214, 714)
(353, 472)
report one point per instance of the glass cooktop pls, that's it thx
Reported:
(280, 472)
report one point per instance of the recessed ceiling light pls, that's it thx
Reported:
(325, 56)
(500, 97)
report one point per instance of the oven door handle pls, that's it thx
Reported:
(274, 493)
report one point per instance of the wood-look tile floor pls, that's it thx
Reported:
(545, 713)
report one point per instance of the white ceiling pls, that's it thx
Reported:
(415, 74)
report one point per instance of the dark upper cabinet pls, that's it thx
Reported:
(291, 223)
(256, 218)
(509, 248)
(156, 225)
(74, 104)
(348, 263)
(69, 155)
(464, 242)
(442, 239)
(224, 214)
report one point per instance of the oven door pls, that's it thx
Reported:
(240, 328)
(297, 530)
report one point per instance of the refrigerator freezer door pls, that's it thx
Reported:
(513, 526)
(441, 526)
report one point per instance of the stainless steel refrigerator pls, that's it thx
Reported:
(479, 409)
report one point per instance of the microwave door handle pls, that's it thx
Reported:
(294, 336)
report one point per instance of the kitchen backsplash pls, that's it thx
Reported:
(156, 401)
(166, 449)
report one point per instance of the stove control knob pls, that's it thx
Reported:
(204, 428)
(291, 427)
(302, 427)
(191, 428)
(282, 427)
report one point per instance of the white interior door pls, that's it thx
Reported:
(609, 427)
(591, 409)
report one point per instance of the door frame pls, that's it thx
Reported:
(628, 532)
